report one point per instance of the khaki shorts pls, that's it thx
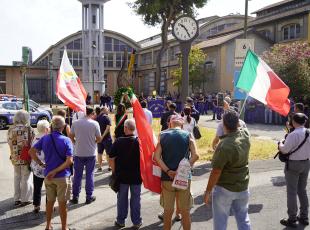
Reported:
(170, 194)
(59, 188)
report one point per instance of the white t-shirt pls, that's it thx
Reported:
(149, 115)
(220, 127)
(36, 168)
(189, 127)
(78, 115)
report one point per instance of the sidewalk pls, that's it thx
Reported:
(274, 132)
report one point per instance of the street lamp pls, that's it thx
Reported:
(52, 83)
(246, 18)
(93, 70)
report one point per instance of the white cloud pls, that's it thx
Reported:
(41, 23)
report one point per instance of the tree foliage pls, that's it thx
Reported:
(196, 69)
(164, 12)
(291, 61)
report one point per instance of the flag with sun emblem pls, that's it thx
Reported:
(69, 87)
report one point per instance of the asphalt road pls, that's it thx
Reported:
(267, 201)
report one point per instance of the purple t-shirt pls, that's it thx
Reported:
(52, 159)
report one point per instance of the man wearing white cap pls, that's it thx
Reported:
(168, 154)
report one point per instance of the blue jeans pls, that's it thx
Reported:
(223, 201)
(135, 203)
(79, 164)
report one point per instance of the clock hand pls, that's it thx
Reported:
(185, 29)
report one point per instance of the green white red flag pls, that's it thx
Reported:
(150, 179)
(261, 83)
(69, 88)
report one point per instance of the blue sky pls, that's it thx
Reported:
(41, 23)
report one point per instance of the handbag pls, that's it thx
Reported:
(114, 183)
(285, 157)
(24, 155)
(196, 132)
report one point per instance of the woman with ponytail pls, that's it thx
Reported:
(189, 121)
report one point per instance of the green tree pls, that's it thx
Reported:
(164, 12)
(196, 71)
(291, 62)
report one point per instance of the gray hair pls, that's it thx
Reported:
(58, 122)
(130, 124)
(22, 117)
(42, 126)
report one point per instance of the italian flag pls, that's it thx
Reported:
(151, 180)
(260, 82)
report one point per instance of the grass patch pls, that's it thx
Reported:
(260, 149)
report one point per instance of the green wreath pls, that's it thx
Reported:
(119, 94)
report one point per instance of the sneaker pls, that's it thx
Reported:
(161, 216)
(74, 200)
(99, 169)
(289, 223)
(116, 224)
(90, 200)
(137, 226)
(303, 221)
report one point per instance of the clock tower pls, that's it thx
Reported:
(93, 46)
(185, 29)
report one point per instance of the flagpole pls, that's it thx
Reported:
(244, 102)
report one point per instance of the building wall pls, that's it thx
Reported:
(14, 83)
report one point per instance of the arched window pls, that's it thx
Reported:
(291, 31)
(265, 33)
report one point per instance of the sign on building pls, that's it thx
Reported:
(242, 46)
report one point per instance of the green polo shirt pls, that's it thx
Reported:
(232, 156)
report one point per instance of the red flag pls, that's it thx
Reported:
(69, 87)
(147, 145)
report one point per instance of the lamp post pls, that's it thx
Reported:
(246, 19)
(93, 71)
(52, 82)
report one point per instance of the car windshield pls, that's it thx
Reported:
(34, 104)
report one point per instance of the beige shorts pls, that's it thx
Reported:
(59, 188)
(169, 195)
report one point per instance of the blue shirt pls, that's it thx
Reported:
(52, 158)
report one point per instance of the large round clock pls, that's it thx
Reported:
(185, 28)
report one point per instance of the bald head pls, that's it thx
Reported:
(129, 126)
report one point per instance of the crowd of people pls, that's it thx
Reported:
(60, 153)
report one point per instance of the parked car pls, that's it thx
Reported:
(9, 108)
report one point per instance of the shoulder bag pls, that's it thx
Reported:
(285, 157)
(24, 155)
(196, 131)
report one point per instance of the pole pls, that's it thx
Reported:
(245, 36)
(246, 19)
(185, 49)
(243, 104)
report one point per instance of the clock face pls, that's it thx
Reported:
(185, 28)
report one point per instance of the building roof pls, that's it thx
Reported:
(79, 33)
(273, 5)
(218, 41)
